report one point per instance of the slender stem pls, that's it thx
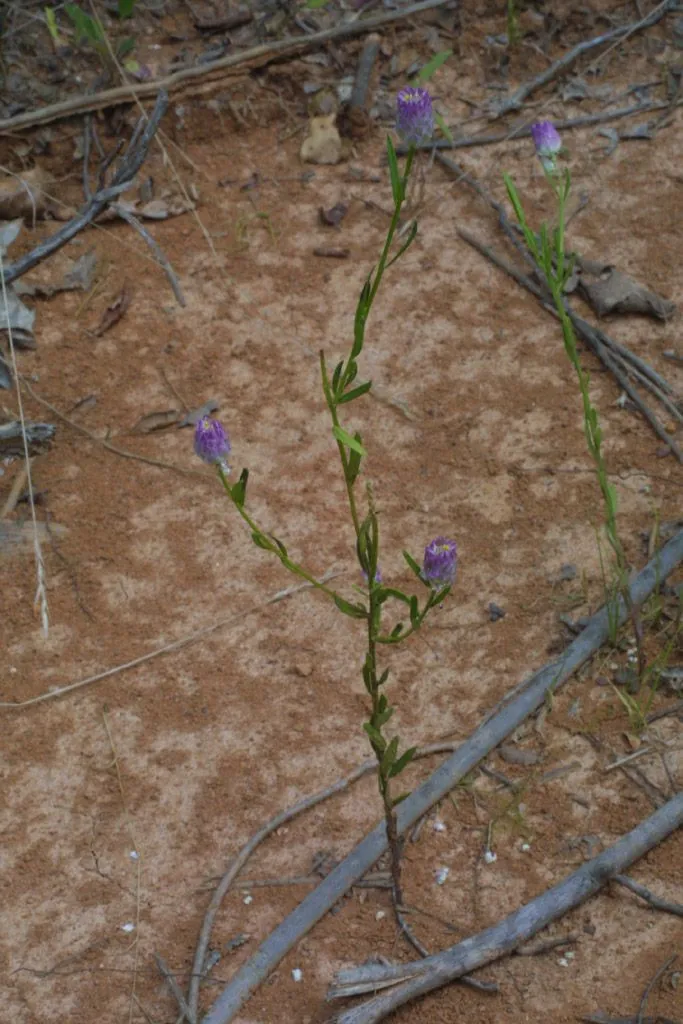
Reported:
(294, 567)
(381, 266)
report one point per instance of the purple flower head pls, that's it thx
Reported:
(211, 442)
(547, 142)
(440, 563)
(414, 115)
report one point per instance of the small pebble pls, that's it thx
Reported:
(248, 899)
(526, 847)
(490, 857)
(563, 962)
(380, 915)
(439, 826)
(297, 974)
(134, 855)
(440, 875)
(128, 927)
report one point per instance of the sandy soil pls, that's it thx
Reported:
(474, 431)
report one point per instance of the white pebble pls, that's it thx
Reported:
(128, 927)
(563, 962)
(526, 847)
(439, 826)
(297, 974)
(490, 857)
(134, 855)
(440, 875)
(248, 899)
(380, 915)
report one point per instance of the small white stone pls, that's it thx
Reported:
(128, 927)
(297, 974)
(134, 855)
(526, 847)
(380, 915)
(563, 962)
(490, 857)
(439, 826)
(440, 875)
(248, 899)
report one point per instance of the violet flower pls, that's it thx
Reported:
(547, 142)
(211, 442)
(414, 115)
(378, 575)
(440, 563)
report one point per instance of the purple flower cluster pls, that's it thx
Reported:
(547, 142)
(440, 563)
(211, 442)
(414, 115)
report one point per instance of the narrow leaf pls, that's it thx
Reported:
(403, 761)
(239, 491)
(376, 737)
(350, 396)
(426, 72)
(414, 612)
(389, 756)
(362, 310)
(355, 611)
(397, 630)
(408, 242)
(413, 564)
(282, 549)
(336, 375)
(261, 542)
(399, 799)
(354, 463)
(445, 130)
(351, 442)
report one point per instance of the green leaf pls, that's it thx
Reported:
(355, 611)
(51, 22)
(351, 442)
(281, 548)
(514, 199)
(314, 4)
(399, 799)
(350, 396)
(382, 717)
(396, 180)
(406, 245)
(426, 72)
(414, 612)
(239, 490)
(445, 130)
(403, 761)
(351, 371)
(382, 680)
(337, 375)
(413, 565)
(261, 541)
(126, 8)
(397, 630)
(389, 756)
(362, 310)
(354, 463)
(86, 27)
(387, 592)
(124, 47)
(375, 735)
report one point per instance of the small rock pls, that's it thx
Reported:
(440, 875)
(297, 974)
(515, 755)
(495, 612)
(490, 857)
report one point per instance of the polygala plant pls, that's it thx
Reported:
(548, 251)
(415, 124)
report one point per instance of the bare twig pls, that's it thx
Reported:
(366, 63)
(545, 945)
(184, 641)
(656, 902)
(131, 219)
(409, 981)
(529, 696)
(646, 994)
(175, 989)
(121, 181)
(257, 56)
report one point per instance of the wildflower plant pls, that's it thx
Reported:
(549, 254)
(370, 606)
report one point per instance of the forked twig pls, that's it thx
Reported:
(656, 902)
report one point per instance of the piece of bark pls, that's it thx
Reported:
(607, 290)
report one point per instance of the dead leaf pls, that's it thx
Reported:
(607, 291)
(334, 216)
(331, 253)
(48, 279)
(23, 195)
(323, 144)
(115, 311)
(516, 755)
(156, 421)
(195, 415)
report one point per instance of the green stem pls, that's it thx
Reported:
(381, 266)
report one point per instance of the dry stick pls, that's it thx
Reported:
(176, 645)
(257, 56)
(483, 740)
(175, 989)
(523, 130)
(122, 180)
(238, 862)
(651, 985)
(656, 902)
(587, 333)
(163, 261)
(409, 981)
(515, 101)
(366, 63)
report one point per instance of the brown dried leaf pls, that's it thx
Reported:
(516, 755)
(115, 311)
(607, 291)
(156, 421)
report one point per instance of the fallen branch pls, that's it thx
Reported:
(558, 67)
(256, 57)
(529, 697)
(121, 181)
(159, 255)
(409, 981)
(656, 902)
